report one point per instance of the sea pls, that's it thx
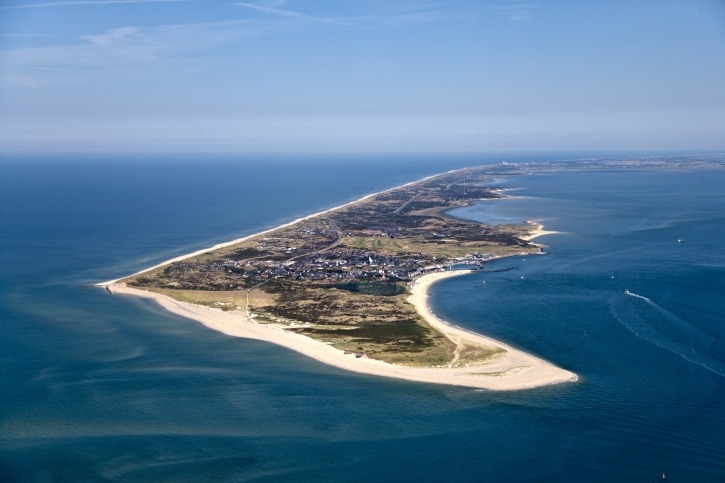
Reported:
(630, 295)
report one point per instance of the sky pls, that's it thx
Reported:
(361, 75)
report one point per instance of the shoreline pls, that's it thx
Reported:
(263, 232)
(520, 369)
(513, 370)
(538, 231)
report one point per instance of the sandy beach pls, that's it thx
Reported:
(245, 238)
(537, 232)
(510, 371)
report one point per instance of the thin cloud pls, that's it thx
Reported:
(271, 10)
(412, 19)
(420, 15)
(167, 49)
(516, 12)
(275, 10)
(121, 34)
(150, 51)
(22, 35)
(76, 3)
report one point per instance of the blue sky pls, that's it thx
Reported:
(361, 75)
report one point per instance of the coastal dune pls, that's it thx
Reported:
(507, 369)
(511, 370)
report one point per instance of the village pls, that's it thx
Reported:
(343, 276)
(338, 264)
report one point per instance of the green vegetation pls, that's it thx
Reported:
(342, 277)
(382, 288)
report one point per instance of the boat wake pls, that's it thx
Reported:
(669, 327)
(632, 294)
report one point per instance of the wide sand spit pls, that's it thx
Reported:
(510, 370)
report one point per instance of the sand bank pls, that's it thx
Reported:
(513, 370)
(537, 232)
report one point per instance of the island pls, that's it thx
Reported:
(349, 286)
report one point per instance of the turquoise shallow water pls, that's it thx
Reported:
(101, 388)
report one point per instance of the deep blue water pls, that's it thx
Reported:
(102, 388)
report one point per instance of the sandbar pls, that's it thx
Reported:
(537, 232)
